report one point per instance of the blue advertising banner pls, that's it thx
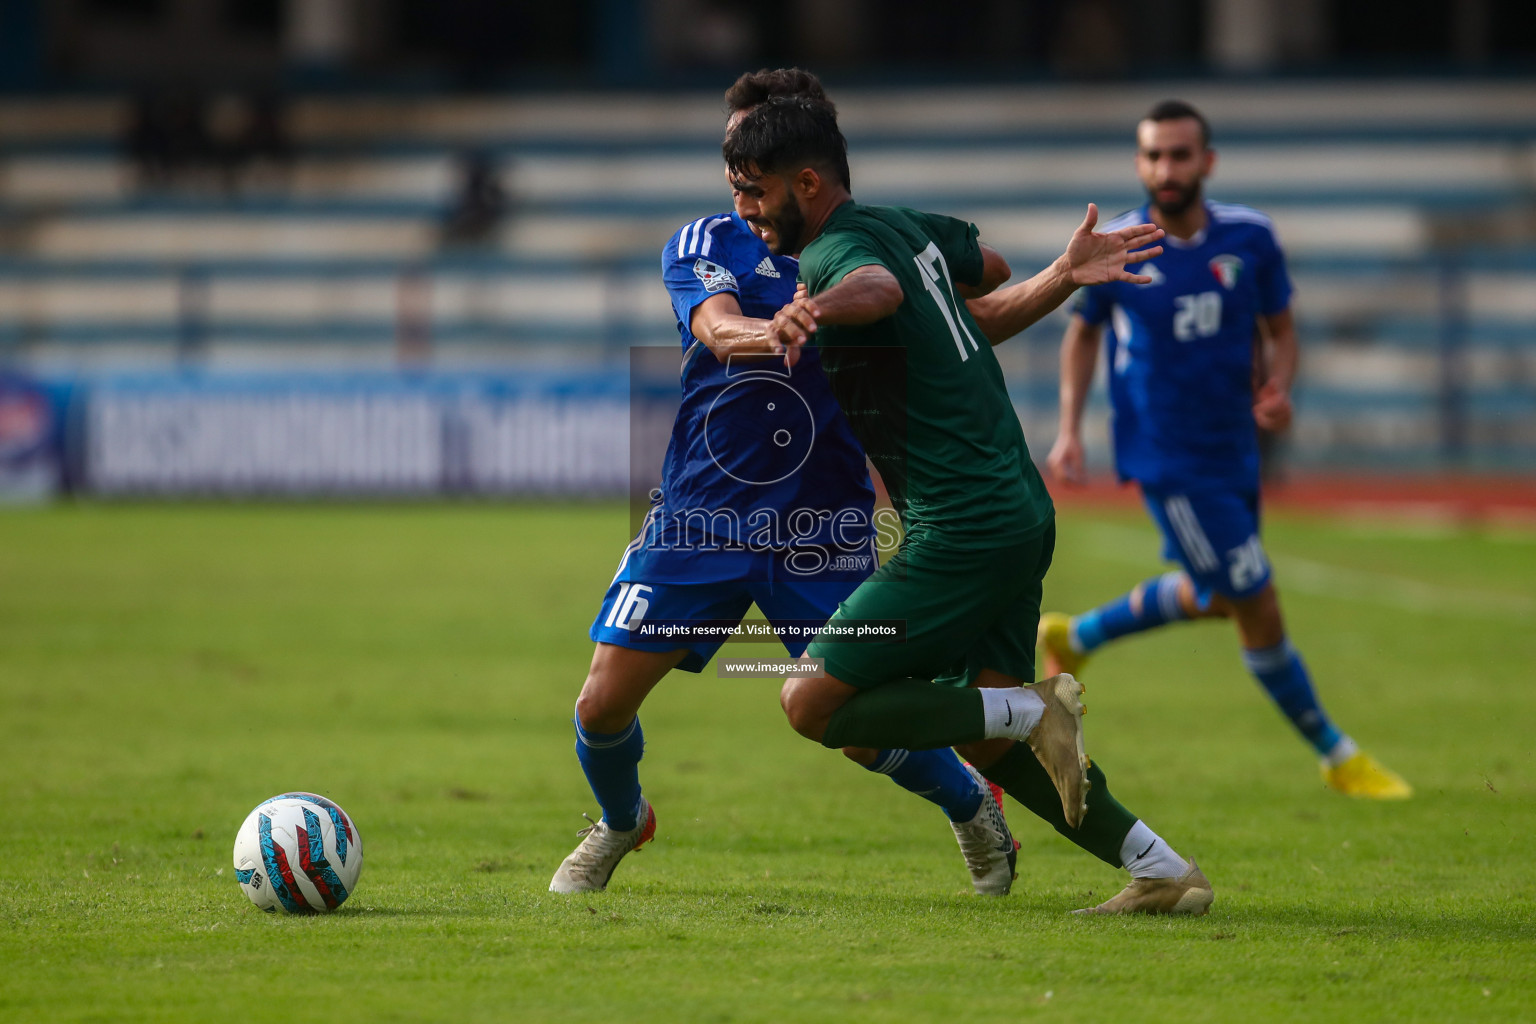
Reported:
(402, 434)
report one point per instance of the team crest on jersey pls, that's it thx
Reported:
(1148, 270)
(715, 277)
(1226, 268)
(767, 269)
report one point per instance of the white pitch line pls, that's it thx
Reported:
(1129, 546)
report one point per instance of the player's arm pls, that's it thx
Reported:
(864, 295)
(1272, 403)
(1005, 313)
(1079, 353)
(718, 322)
(994, 271)
(1090, 258)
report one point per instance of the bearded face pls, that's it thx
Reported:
(770, 206)
(1172, 162)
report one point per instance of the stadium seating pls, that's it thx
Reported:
(332, 263)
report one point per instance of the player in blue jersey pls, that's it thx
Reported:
(1182, 355)
(764, 498)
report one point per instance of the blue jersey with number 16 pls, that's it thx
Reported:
(1181, 351)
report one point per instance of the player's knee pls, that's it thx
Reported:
(1258, 618)
(598, 711)
(1261, 605)
(805, 715)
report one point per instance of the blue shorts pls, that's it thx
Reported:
(1214, 535)
(795, 586)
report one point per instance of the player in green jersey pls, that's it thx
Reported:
(912, 368)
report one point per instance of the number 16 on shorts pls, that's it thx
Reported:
(629, 607)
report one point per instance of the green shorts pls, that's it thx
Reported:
(964, 611)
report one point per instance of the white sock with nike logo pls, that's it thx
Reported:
(1145, 854)
(1011, 712)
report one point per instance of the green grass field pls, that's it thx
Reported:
(163, 669)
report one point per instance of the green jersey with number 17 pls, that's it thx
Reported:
(921, 388)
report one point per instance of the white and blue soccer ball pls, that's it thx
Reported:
(299, 853)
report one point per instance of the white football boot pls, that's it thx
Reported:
(987, 845)
(591, 864)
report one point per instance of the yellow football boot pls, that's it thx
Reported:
(1055, 635)
(1362, 775)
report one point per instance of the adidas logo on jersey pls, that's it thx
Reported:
(767, 269)
(1148, 270)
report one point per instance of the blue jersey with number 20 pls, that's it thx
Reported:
(1181, 351)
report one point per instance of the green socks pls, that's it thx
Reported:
(913, 714)
(919, 715)
(1105, 825)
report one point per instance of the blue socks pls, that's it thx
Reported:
(935, 775)
(1285, 676)
(1159, 605)
(611, 761)
(1279, 668)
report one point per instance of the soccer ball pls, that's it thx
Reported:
(299, 853)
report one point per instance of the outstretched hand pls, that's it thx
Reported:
(1094, 258)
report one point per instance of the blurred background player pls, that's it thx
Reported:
(690, 561)
(1181, 352)
(886, 310)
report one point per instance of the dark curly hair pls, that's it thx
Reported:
(785, 133)
(756, 87)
